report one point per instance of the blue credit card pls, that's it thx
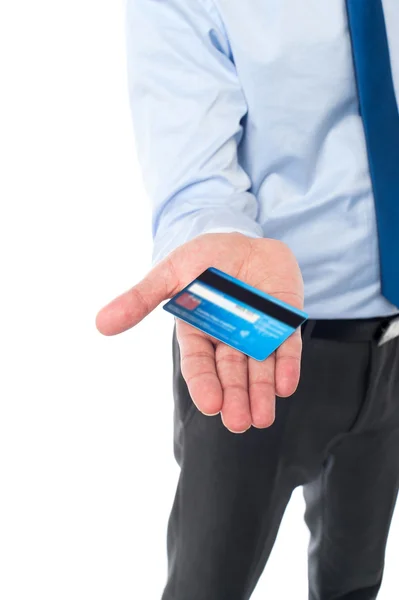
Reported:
(236, 313)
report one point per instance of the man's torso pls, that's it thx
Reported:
(304, 145)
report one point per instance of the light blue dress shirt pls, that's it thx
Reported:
(246, 119)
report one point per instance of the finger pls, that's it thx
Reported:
(262, 394)
(197, 362)
(288, 365)
(232, 368)
(130, 308)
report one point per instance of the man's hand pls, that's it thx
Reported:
(220, 378)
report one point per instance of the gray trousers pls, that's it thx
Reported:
(337, 436)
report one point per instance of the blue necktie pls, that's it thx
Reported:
(379, 111)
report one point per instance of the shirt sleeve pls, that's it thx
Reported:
(187, 105)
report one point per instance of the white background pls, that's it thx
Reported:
(87, 472)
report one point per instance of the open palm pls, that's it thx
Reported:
(220, 378)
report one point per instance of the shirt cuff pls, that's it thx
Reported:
(248, 232)
(181, 233)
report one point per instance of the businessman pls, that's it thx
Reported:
(268, 134)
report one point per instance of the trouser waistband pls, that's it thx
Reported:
(359, 330)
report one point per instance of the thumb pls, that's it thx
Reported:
(130, 308)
